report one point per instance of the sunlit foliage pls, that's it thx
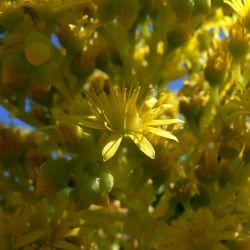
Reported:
(117, 158)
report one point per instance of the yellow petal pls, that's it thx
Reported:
(162, 133)
(86, 121)
(143, 144)
(163, 122)
(235, 6)
(111, 147)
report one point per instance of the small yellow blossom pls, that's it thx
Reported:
(200, 231)
(116, 111)
(242, 8)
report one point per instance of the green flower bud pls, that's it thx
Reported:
(52, 178)
(208, 168)
(239, 42)
(107, 181)
(101, 178)
(69, 135)
(182, 189)
(217, 65)
(71, 37)
(82, 65)
(37, 48)
(192, 108)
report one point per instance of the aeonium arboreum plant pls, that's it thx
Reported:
(118, 112)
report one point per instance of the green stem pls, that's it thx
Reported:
(215, 96)
(238, 76)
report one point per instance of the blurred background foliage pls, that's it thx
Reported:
(70, 72)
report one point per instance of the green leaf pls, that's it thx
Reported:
(61, 244)
(53, 177)
(111, 147)
(29, 238)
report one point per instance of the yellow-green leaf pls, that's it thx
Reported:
(29, 238)
(61, 244)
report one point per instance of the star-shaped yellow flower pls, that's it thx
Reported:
(117, 112)
(242, 8)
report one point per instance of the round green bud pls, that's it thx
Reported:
(107, 181)
(95, 184)
(37, 48)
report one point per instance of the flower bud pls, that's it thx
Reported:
(37, 48)
(192, 108)
(52, 178)
(83, 65)
(69, 135)
(239, 42)
(107, 181)
(182, 189)
(208, 168)
(218, 64)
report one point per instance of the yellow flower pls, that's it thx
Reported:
(116, 111)
(200, 231)
(242, 8)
